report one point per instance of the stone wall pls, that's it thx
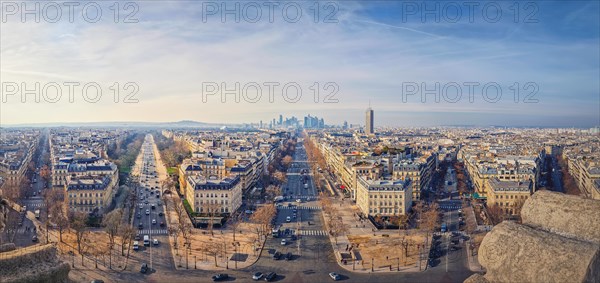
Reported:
(38, 263)
(559, 241)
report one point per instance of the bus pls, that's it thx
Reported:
(444, 227)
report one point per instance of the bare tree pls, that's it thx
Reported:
(263, 216)
(112, 222)
(77, 223)
(212, 210)
(60, 218)
(234, 223)
(337, 227)
(126, 233)
(212, 248)
(52, 199)
(286, 161)
(495, 214)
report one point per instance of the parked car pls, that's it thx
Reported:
(283, 242)
(334, 276)
(220, 277)
(144, 268)
(288, 256)
(258, 276)
(34, 238)
(155, 242)
(276, 255)
(271, 276)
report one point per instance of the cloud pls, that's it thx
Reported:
(171, 51)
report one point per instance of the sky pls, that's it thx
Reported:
(535, 64)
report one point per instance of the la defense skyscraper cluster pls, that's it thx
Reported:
(369, 129)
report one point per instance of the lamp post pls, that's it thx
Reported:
(195, 262)
(372, 269)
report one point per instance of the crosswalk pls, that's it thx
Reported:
(450, 207)
(309, 232)
(300, 207)
(153, 232)
(37, 204)
(20, 230)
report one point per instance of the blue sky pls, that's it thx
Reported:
(371, 53)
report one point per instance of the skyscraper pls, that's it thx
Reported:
(369, 129)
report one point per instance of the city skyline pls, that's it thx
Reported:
(373, 52)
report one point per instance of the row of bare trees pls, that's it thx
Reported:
(263, 216)
(336, 226)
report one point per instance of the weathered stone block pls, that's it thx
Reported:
(567, 215)
(517, 253)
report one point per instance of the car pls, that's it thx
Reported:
(157, 196)
(140, 226)
(162, 224)
(294, 237)
(144, 268)
(271, 276)
(139, 215)
(155, 242)
(220, 277)
(137, 237)
(288, 256)
(283, 242)
(258, 276)
(151, 192)
(97, 281)
(298, 200)
(34, 238)
(334, 276)
(160, 214)
(276, 255)
(146, 201)
(288, 219)
(147, 211)
(153, 221)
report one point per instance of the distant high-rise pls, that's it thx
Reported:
(369, 129)
(280, 119)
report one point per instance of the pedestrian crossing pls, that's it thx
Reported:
(36, 204)
(153, 232)
(309, 232)
(20, 230)
(451, 207)
(300, 207)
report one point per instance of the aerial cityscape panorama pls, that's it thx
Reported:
(300, 141)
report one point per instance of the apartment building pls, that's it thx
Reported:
(223, 195)
(90, 193)
(383, 197)
(508, 195)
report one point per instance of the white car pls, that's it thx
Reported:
(153, 221)
(288, 219)
(298, 200)
(334, 276)
(283, 242)
(147, 212)
(155, 242)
